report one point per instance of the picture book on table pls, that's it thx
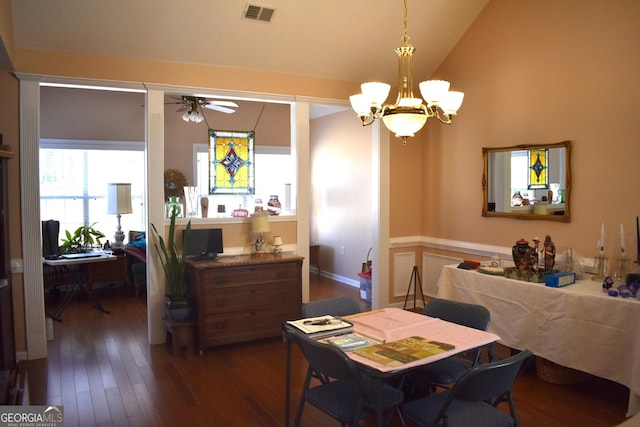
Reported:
(400, 352)
(348, 341)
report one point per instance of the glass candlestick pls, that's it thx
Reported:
(622, 268)
(601, 267)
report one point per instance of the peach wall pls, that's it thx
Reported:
(6, 32)
(407, 172)
(541, 72)
(193, 75)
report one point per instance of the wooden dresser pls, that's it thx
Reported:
(245, 297)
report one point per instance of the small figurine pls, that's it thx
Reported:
(549, 254)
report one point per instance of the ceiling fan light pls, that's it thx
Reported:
(434, 91)
(375, 92)
(452, 102)
(197, 117)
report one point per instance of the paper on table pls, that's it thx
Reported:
(316, 326)
(389, 324)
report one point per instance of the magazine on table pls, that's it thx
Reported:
(400, 352)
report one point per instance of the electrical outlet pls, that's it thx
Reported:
(342, 250)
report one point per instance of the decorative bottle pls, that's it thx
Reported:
(173, 207)
(273, 205)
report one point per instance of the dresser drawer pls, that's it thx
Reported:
(246, 275)
(250, 297)
(239, 326)
(244, 298)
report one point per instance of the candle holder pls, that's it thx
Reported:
(601, 261)
(601, 264)
(622, 268)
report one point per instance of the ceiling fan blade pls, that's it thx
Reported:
(219, 108)
(223, 103)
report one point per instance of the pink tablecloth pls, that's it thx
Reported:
(392, 324)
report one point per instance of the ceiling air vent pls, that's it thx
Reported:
(259, 13)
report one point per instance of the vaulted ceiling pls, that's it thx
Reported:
(352, 40)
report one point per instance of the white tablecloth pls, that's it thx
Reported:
(577, 326)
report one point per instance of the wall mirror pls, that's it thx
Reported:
(527, 181)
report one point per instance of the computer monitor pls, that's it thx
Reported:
(204, 243)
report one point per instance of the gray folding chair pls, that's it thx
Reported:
(473, 399)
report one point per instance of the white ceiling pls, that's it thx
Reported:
(352, 40)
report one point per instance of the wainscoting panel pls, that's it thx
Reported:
(432, 266)
(403, 263)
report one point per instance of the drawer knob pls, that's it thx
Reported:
(282, 275)
(222, 325)
(221, 302)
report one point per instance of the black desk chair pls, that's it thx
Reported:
(447, 371)
(346, 395)
(473, 399)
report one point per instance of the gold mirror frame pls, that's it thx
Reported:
(486, 151)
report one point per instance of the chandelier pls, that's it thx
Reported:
(409, 114)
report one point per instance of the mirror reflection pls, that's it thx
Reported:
(527, 181)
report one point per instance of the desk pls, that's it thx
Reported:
(392, 324)
(577, 326)
(114, 271)
(80, 277)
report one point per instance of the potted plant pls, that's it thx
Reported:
(174, 262)
(82, 239)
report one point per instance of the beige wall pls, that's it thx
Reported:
(119, 116)
(537, 72)
(341, 186)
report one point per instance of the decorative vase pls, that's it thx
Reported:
(173, 207)
(273, 205)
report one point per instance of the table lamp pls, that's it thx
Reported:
(119, 202)
(277, 244)
(260, 227)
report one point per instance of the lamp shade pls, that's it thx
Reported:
(119, 198)
(260, 223)
(277, 241)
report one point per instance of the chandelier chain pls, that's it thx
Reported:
(405, 35)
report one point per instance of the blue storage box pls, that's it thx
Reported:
(558, 280)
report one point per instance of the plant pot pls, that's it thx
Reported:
(178, 309)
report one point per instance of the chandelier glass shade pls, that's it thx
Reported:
(408, 114)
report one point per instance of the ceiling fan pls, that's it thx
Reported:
(194, 105)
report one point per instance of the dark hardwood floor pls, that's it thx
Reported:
(102, 369)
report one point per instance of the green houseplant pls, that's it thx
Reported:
(174, 262)
(82, 239)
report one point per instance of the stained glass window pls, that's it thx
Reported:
(538, 169)
(231, 162)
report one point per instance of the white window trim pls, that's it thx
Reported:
(89, 144)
